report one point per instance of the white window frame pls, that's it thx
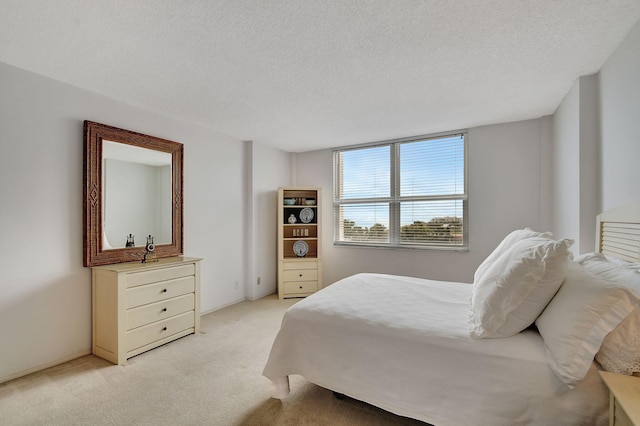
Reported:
(394, 200)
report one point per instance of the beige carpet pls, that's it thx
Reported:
(210, 379)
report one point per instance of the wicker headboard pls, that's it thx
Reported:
(618, 232)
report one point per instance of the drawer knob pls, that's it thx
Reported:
(164, 290)
(164, 329)
(300, 274)
(164, 310)
(300, 286)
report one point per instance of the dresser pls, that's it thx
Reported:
(624, 404)
(140, 306)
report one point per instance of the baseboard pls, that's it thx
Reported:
(261, 295)
(233, 303)
(222, 307)
(44, 366)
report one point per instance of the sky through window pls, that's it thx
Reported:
(431, 167)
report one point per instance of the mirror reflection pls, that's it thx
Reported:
(136, 195)
(122, 197)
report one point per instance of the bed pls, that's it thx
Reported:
(410, 346)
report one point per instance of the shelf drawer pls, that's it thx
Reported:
(300, 275)
(150, 293)
(159, 330)
(147, 314)
(299, 265)
(300, 287)
(160, 274)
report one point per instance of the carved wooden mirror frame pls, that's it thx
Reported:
(94, 134)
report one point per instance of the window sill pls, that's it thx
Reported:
(463, 249)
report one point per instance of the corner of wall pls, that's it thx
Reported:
(574, 154)
(248, 240)
(589, 127)
(293, 170)
(546, 171)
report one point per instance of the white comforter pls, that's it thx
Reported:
(402, 344)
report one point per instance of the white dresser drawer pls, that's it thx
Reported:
(142, 336)
(160, 274)
(300, 275)
(150, 293)
(300, 287)
(147, 314)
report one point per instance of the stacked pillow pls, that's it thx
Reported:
(626, 274)
(620, 350)
(516, 282)
(574, 325)
(585, 309)
(508, 241)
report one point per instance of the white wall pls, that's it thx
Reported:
(589, 164)
(576, 189)
(565, 159)
(596, 145)
(45, 292)
(214, 213)
(269, 170)
(620, 123)
(505, 191)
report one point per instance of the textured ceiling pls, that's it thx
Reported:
(308, 74)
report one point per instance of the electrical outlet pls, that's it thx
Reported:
(237, 286)
(258, 280)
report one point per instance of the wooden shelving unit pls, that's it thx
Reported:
(299, 242)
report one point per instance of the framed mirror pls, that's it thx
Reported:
(132, 189)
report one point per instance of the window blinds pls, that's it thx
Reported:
(406, 193)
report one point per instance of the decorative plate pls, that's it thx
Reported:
(300, 248)
(306, 215)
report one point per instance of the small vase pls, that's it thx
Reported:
(292, 219)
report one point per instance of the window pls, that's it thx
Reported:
(404, 193)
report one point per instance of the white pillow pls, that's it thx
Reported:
(576, 321)
(618, 261)
(620, 350)
(508, 241)
(515, 289)
(625, 274)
